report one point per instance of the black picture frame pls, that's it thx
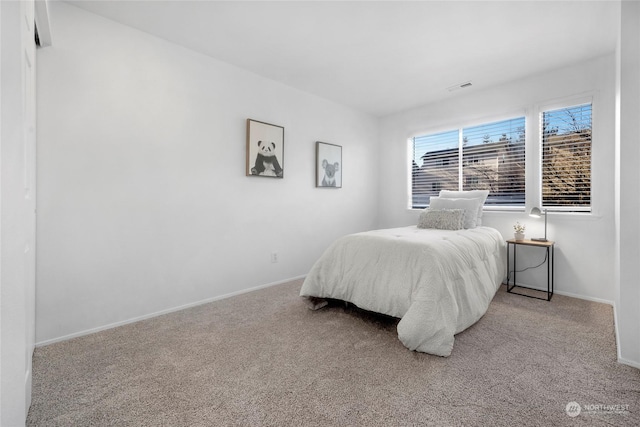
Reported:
(328, 165)
(265, 149)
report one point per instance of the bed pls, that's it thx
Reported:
(438, 282)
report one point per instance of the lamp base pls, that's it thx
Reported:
(539, 239)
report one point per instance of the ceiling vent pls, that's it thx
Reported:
(459, 86)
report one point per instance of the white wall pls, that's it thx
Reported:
(143, 200)
(627, 297)
(144, 206)
(584, 249)
(17, 209)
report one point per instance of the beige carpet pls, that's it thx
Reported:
(263, 358)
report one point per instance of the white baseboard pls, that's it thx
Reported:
(629, 363)
(621, 359)
(615, 330)
(566, 294)
(160, 313)
(28, 386)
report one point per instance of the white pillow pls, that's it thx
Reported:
(441, 219)
(470, 207)
(470, 194)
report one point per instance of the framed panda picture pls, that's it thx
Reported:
(328, 165)
(265, 149)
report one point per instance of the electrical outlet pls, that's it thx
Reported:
(274, 257)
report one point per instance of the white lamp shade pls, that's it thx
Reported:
(535, 212)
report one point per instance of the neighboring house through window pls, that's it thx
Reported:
(566, 158)
(489, 156)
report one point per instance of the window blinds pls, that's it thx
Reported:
(489, 156)
(566, 158)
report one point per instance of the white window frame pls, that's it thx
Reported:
(537, 154)
(467, 124)
(533, 152)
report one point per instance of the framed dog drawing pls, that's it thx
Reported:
(328, 165)
(265, 149)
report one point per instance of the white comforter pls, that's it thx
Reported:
(438, 282)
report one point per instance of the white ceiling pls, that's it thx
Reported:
(380, 57)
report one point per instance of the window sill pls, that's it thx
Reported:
(552, 214)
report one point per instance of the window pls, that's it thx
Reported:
(484, 157)
(566, 158)
(430, 175)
